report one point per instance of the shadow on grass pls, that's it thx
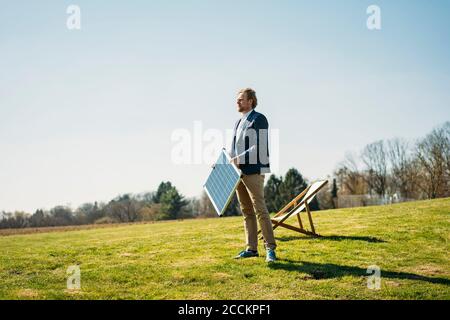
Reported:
(329, 270)
(332, 238)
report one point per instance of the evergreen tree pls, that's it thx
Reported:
(334, 193)
(162, 189)
(334, 190)
(292, 185)
(172, 203)
(272, 195)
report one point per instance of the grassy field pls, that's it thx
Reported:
(192, 259)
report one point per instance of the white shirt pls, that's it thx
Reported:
(241, 124)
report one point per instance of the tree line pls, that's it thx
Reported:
(164, 204)
(419, 170)
(409, 170)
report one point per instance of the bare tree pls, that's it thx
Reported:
(446, 135)
(405, 177)
(204, 207)
(150, 212)
(374, 157)
(350, 179)
(433, 155)
(124, 208)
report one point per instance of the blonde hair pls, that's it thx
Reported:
(250, 94)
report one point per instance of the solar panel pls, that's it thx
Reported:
(222, 182)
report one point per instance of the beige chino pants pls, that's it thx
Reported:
(250, 193)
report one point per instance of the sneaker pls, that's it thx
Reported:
(270, 256)
(247, 254)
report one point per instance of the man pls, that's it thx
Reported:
(250, 152)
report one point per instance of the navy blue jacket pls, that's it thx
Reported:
(252, 145)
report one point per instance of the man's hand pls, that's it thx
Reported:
(235, 160)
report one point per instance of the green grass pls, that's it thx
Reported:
(192, 259)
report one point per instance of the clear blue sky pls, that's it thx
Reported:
(86, 115)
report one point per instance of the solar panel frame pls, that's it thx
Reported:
(215, 180)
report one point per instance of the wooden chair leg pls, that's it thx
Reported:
(299, 221)
(310, 218)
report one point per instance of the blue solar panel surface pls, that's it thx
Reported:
(222, 183)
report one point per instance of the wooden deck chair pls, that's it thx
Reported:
(295, 207)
